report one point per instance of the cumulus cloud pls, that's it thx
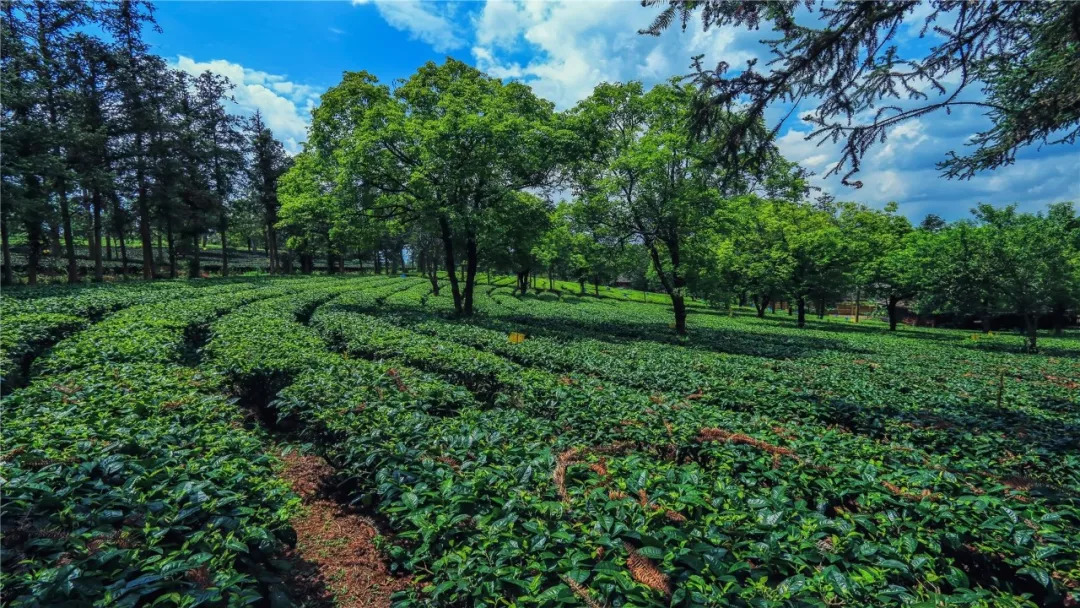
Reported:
(427, 21)
(903, 169)
(285, 105)
(564, 49)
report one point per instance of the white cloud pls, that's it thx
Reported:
(576, 45)
(285, 105)
(430, 22)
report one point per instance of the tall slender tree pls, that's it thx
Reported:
(267, 162)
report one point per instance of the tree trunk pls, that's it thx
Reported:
(99, 268)
(271, 242)
(1059, 320)
(761, 303)
(195, 264)
(673, 286)
(223, 226)
(451, 267)
(821, 308)
(33, 261)
(69, 238)
(858, 303)
(8, 277)
(890, 305)
(123, 253)
(148, 269)
(433, 276)
(172, 249)
(341, 262)
(801, 322)
(581, 283)
(1031, 320)
(551, 282)
(471, 259)
(108, 245)
(54, 240)
(679, 304)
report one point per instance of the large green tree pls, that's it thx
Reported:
(643, 172)
(1030, 256)
(449, 146)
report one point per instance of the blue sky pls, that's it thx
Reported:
(283, 55)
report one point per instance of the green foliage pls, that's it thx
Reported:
(129, 476)
(1022, 55)
(747, 463)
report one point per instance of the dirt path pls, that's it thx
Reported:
(338, 562)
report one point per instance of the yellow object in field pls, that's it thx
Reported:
(975, 336)
(516, 337)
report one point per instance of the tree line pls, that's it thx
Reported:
(463, 168)
(103, 139)
(455, 173)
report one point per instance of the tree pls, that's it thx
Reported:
(317, 215)
(448, 146)
(818, 254)
(647, 176)
(24, 194)
(52, 24)
(136, 73)
(882, 258)
(508, 240)
(92, 121)
(91, 128)
(1023, 55)
(1063, 229)
(1029, 255)
(751, 256)
(962, 276)
(220, 132)
(267, 163)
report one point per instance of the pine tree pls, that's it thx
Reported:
(267, 162)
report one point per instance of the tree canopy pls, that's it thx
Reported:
(842, 57)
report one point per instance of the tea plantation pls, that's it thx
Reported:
(601, 461)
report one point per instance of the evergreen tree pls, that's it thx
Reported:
(267, 161)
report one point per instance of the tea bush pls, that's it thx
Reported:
(600, 461)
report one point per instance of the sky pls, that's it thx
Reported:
(282, 55)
